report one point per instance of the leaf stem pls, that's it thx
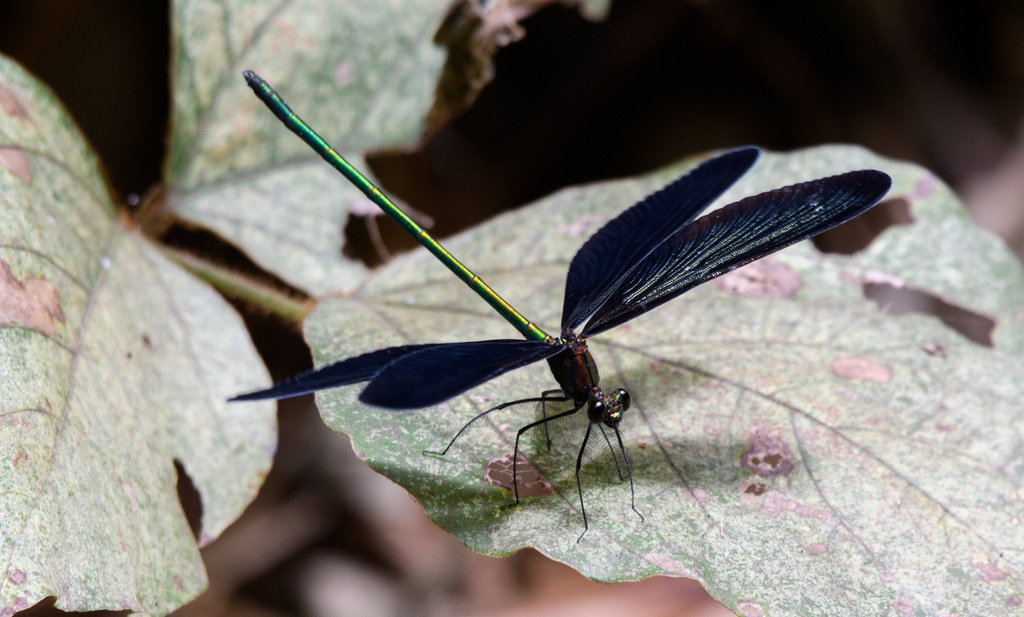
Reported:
(242, 287)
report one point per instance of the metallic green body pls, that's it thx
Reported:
(284, 113)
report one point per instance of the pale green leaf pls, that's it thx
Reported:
(894, 481)
(114, 363)
(361, 71)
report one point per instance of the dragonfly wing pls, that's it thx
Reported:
(623, 242)
(444, 371)
(346, 372)
(735, 235)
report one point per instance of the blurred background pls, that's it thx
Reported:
(573, 101)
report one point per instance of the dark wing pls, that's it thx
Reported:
(346, 372)
(623, 242)
(441, 372)
(735, 235)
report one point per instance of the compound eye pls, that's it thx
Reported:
(624, 398)
(595, 411)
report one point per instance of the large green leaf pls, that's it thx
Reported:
(799, 455)
(114, 363)
(362, 71)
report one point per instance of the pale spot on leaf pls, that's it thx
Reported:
(748, 608)
(33, 304)
(343, 74)
(766, 277)
(580, 225)
(10, 104)
(883, 278)
(17, 577)
(860, 368)
(924, 187)
(768, 454)
(15, 161)
(672, 565)
(775, 504)
(19, 458)
(989, 572)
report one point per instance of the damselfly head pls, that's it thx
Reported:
(608, 408)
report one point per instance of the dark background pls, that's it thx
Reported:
(929, 81)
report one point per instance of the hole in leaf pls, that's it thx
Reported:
(975, 327)
(215, 250)
(362, 240)
(371, 237)
(191, 500)
(856, 235)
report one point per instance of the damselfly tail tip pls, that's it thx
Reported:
(249, 396)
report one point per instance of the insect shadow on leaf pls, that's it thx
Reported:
(542, 421)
